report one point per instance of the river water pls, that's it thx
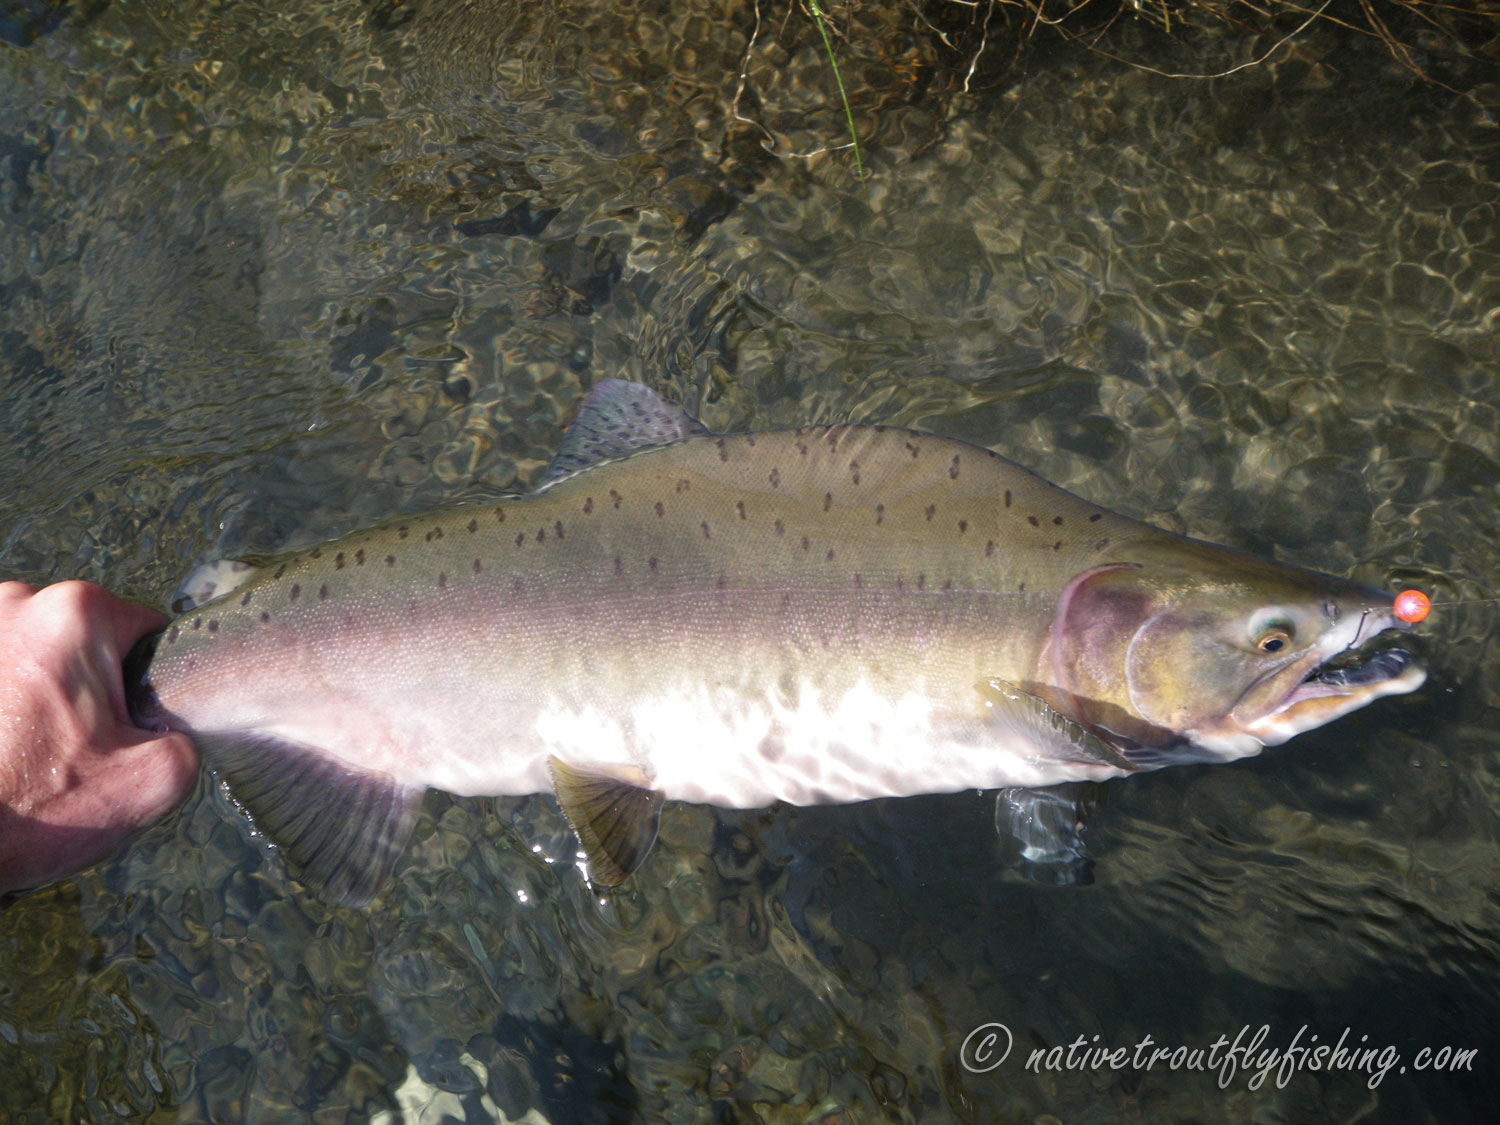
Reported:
(270, 272)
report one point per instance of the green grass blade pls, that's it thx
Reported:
(859, 167)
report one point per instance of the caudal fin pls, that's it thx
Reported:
(341, 828)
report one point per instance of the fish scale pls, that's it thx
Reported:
(823, 614)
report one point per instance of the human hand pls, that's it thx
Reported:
(76, 777)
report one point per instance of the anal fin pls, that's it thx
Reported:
(342, 828)
(615, 819)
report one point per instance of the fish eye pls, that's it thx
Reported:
(1271, 631)
(1273, 640)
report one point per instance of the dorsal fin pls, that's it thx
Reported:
(615, 419)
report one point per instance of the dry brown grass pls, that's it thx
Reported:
(1407, 28)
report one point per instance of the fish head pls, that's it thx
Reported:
(1192, 652)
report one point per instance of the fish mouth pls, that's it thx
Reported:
(1327, 685)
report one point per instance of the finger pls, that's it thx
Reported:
(152, 776)
(15, 592)
(131, 621)
(125, 792)
(88, 620)
(122, 623)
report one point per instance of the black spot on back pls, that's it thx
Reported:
(295, 591)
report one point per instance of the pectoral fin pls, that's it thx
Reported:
(614, 818)
(1054, 734)
(1041, 833)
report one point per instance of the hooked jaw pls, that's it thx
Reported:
(1328, 681)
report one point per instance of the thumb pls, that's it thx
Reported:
(152, 773)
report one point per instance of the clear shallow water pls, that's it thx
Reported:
(268, 274)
